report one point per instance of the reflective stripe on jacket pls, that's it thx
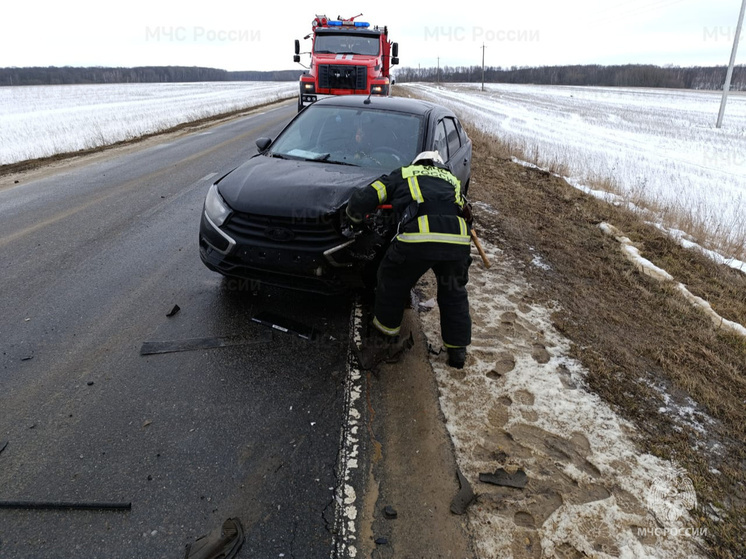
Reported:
(434, 218)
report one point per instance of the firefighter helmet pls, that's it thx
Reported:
(432, 156)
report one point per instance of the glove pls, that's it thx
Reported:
(350, 229)
(466, 213)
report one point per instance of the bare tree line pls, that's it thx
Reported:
(54, 75)
(630, 75)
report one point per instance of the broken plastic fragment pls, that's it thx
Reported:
(505, 479)
(464, 497)
(284, 324)
(41, 505)
(194, 344)
(221, 543)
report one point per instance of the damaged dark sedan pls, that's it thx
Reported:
(278, 219)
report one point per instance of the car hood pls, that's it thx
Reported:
(290, 188)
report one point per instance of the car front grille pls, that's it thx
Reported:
(284, 232)
(339, 76)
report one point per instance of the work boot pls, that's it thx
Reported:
(375, 348)
(378, 348)
(456, 357)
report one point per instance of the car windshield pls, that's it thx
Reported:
(346, 44)
(374, 138)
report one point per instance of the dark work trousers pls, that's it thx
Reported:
(398, 273)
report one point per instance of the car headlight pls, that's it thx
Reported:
(215, 207)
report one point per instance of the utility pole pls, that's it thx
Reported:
(729, 75)
(437, 76)
(483, 47)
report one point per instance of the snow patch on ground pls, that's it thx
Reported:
(520, 402)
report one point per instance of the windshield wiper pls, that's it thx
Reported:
(325, 159)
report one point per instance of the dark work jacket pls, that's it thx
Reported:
(427, 202)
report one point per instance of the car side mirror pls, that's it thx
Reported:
(263, 143)
(394, 53)
(297, 46)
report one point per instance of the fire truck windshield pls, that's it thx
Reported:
(352, 43)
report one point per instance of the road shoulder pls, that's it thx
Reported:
(412, 464)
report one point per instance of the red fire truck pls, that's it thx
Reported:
(347, 57)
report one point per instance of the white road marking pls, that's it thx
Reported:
(346, 511)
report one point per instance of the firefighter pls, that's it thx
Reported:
(433, 233)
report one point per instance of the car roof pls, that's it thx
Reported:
(400, 104)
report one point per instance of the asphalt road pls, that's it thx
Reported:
(94, 257)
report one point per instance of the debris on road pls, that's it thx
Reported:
(173, 311)
(62, 505)
(284, 324)
(419, 302)
(501, 477)
(221, 543)
(464, 497)
(194, 344)
(390, 512)
(3, 444)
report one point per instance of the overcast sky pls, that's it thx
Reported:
(259, 35)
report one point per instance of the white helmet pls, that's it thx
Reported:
(433, 156)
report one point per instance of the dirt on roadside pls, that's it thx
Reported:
(654, 359)
(648, 352)
(412, 478)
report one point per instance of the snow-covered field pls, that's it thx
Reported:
(658, 146)
(38, 121)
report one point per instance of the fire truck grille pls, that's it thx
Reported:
(333, 76)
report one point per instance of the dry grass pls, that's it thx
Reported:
(637, 338)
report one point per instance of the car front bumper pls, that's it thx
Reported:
(327, 269)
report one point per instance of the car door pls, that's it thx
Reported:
(459, 151)
(451, 142)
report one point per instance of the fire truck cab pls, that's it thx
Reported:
(347, 57)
